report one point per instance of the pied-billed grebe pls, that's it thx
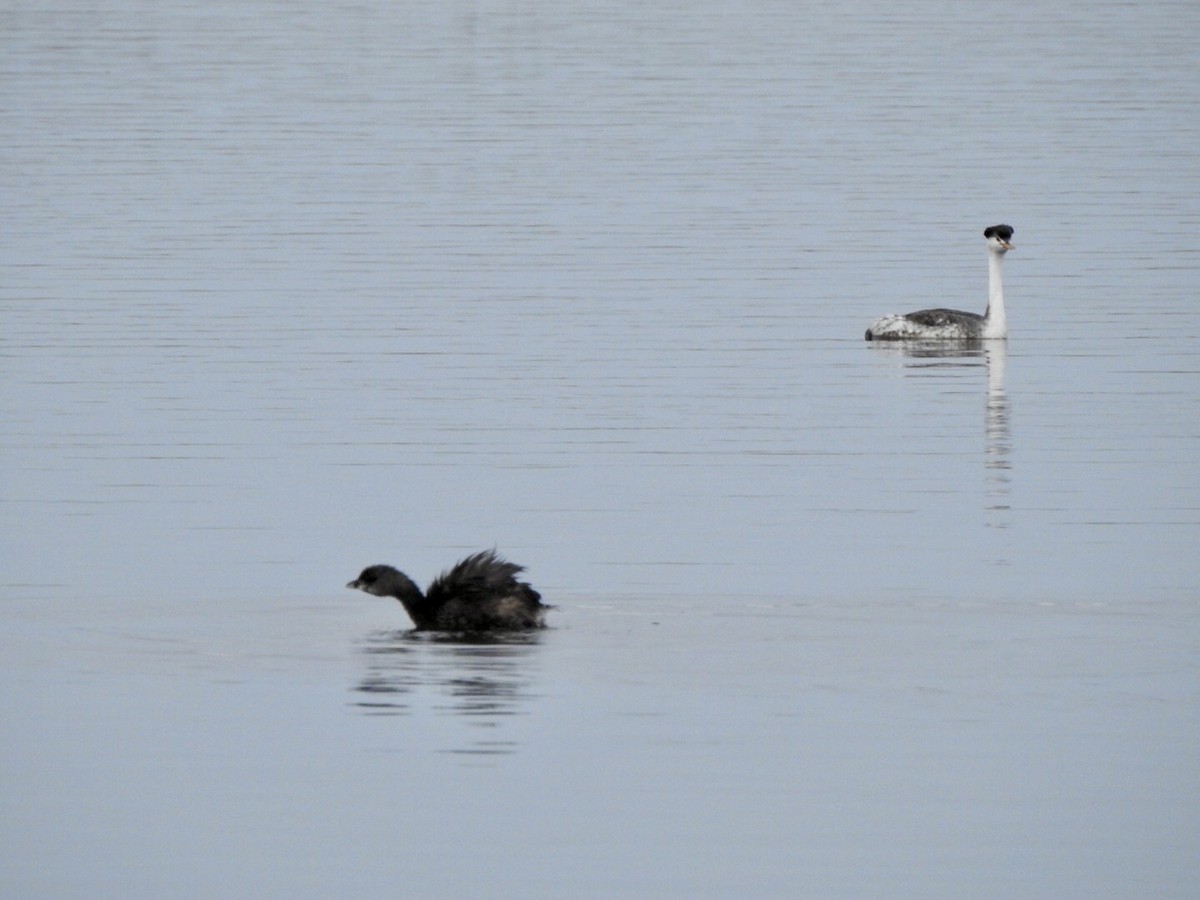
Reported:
(954, 324)
(481, 593)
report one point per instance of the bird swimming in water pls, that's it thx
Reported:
(954, 324)
(481, 593)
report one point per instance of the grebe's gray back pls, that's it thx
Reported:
(955, 324)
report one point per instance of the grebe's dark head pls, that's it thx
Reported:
(383, 581)
(999, 238)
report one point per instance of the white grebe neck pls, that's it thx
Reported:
(995, 322)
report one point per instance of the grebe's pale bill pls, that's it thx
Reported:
(954, 324)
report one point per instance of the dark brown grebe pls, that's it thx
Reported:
(481, 593)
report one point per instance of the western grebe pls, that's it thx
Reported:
(481, 593)
(953, 324)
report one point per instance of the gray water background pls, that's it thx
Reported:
(288, 289)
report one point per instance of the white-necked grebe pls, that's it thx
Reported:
(954, 324)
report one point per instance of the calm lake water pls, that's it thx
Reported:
(292, 288)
